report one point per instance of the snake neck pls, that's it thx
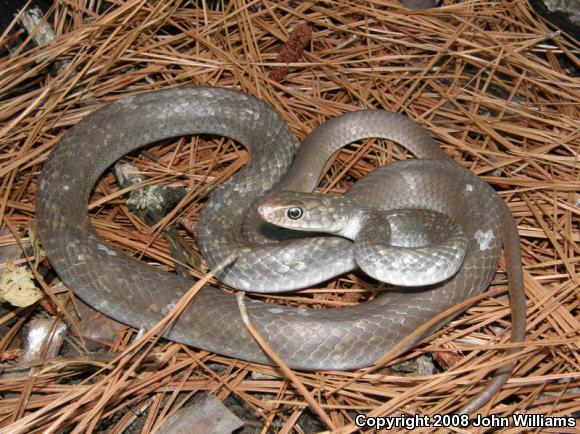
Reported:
(368, 223)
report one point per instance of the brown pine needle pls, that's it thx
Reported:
(280, 363)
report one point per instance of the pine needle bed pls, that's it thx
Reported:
(493, 84)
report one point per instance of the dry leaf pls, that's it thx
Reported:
(18, 287)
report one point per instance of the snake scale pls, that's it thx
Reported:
(331, 339)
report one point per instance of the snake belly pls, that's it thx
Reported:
(338, 339)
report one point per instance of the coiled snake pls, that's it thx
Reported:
(338, 339)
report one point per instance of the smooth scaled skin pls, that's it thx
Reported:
(338, 339)
(413, 247)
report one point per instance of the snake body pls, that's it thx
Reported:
(408, 247)
(338, 339)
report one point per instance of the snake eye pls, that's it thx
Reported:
(294, 213)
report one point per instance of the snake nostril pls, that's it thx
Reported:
(264, 211)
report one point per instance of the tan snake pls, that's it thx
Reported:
(338, 339)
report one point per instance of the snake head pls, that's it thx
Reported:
(312, 212)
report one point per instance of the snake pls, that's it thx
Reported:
(408, 247)
(270, 259)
